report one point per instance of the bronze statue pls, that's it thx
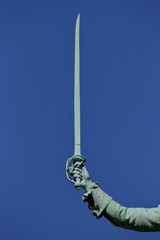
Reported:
(101, 204)
(139, 219)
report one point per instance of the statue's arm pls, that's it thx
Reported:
(139, 219)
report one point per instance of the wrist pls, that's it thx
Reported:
(88, 185)
(97, 199)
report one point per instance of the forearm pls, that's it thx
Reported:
(139, 219)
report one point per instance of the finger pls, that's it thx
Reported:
(77, 176)
(78, 169)
(78, 164)
(77, 172)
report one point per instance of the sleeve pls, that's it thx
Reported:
(138, 219)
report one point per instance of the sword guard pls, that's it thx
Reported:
(78, 161)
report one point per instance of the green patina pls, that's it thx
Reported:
(101, 204)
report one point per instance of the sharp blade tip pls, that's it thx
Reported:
(78, 17)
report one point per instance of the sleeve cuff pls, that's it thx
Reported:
(97, 200)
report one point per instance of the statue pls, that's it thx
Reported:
(139, 219)
(101, 204)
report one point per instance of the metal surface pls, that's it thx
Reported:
(77, 123)
(101, 204)
(77, 159)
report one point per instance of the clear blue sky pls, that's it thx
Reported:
(120, 113)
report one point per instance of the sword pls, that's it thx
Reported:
(77, 158)
(77, 120)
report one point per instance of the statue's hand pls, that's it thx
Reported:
(83, 175)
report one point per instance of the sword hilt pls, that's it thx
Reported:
(78, 161)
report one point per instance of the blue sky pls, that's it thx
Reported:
(120, 114)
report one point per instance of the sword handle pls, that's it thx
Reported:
(78, 161)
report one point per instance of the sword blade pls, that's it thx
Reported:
(77, 123)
